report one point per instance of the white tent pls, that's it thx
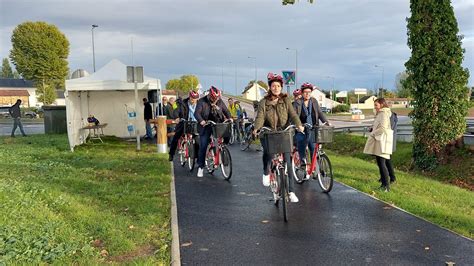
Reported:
(108, 96)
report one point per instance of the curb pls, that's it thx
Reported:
(175, 255)
(405, 211)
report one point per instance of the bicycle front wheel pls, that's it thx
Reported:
(325, 176)
(283, 177)
(210, 160)
(299, 173)
(226, 163)
(181, 151)
(245, 143)
(191, 152)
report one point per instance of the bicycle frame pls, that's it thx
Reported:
(212, 144)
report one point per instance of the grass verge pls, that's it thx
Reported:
(444, 204)
(102, 203)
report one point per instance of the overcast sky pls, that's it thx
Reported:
(343, 39)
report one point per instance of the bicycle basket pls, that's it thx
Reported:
(190, 127)
(221, 130)
(278, 141)
(325, 134)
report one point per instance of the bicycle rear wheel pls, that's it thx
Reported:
(191, 152)
(226, 163)
(299, 174)
(282, 178)
(210, 166)
(181, 151)
(245, 143)
(325, 176)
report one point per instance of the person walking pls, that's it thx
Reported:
(380, 143)
(209, 108)
(148, 115)
(186, 111)
(15, 113)
(276, 111)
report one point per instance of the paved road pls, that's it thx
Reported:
(29, 128)
(224, 223)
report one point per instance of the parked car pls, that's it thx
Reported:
(325, 110)
(30, 114)
(4, 113)
(356, 111)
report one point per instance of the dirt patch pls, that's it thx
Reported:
(463, 184)
(470, 112)
(143, 251)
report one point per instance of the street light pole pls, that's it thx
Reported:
(93, 48)
(383, 72)
(296, 70)
(255, 82)
(235, 68)
(222, 79)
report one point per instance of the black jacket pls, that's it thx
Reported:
(203, 110)
(15, 111)
(316, 113)
(148, 113)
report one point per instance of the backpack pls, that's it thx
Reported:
(393, 121)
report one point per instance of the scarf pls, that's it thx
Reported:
(192, 109)
(308, 111)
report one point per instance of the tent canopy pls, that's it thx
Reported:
(108, 96)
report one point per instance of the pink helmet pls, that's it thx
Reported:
(297, 92)
(193, 95)
(274, 77)
(307, 86)
(214, 93)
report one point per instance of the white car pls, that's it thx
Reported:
(356, 111)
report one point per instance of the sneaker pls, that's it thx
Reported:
(266, 180)
(293, 197)
(200, 172)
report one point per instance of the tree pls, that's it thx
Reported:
(436, 79)
(40, 54)
(6, 69)
(184, 84)
(402, 90)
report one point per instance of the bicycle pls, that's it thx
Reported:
(217, 153)
(186, 144)
(248, 138)
(236, 131)
(320, 167)
(278, 143)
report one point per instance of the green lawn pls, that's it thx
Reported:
(427, 195)
(102, 203)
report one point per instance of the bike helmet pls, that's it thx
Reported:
(297, 92)
(306, 86)
(274, 77)
(214, 93)
(193, 95)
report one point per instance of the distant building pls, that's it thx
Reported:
(250, 92)
(322, 100)
(366, 102)
(13, 89)
(398, 102)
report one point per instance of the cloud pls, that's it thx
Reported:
(343, 38)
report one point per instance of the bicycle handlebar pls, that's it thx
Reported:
(266, 129)
(209, 122)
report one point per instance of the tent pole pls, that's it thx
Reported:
(137, 132)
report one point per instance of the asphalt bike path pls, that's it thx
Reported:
(236, 222)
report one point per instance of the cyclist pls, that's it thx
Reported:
(210, 107)
(309, 112)
(186, 110)
(297, 95)
(235, 111)
(275, 111)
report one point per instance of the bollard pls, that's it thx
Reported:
(161, 135)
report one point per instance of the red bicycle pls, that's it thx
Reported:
(320, 167)
(187, 144)
(217, 153)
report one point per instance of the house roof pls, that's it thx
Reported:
(16, 93)
(365, 98)
(16, 83)
(251, 86)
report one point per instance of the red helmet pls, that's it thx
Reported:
(307, 86)
(296, 92)
(193, 95)
(214, 93)
(274, 77)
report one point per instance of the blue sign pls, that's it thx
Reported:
(289, 76)
(132, 114)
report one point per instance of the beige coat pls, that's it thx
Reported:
(381, 124)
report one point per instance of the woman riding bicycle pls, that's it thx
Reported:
(186, 111)
(275, 111)
(209, 108)
(309, 112)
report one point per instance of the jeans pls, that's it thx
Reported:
(386, 170)
(17, 123)
(267, 159)
(149, 134)
(177, 134)
(205, 138)
(303, 141)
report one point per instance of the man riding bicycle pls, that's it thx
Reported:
(309, 112)
(209, 108)
(186, 111)
(275, 111)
